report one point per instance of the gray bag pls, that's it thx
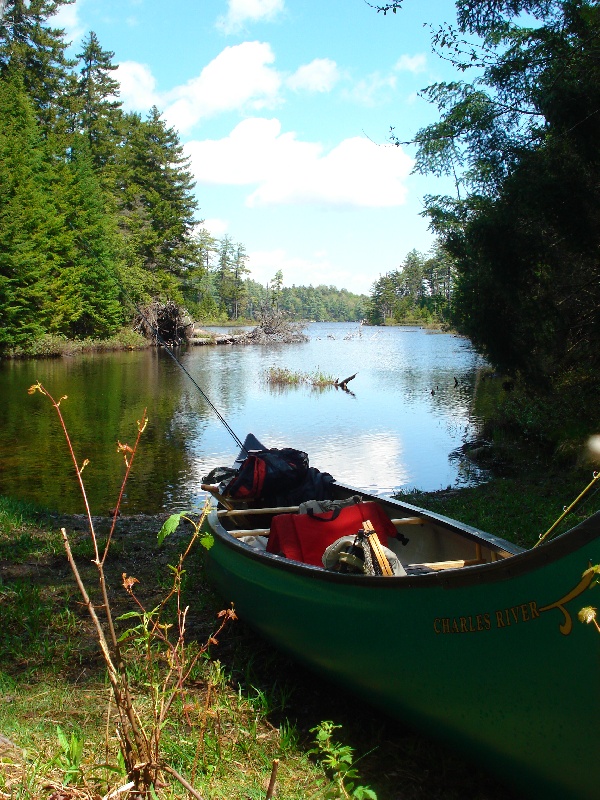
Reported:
(336, 554)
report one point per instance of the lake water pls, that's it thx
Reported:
(397, 429)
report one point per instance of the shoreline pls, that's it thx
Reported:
(53, 346)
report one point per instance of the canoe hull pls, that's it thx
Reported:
(492, 659)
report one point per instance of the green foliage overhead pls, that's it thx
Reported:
(521, 142)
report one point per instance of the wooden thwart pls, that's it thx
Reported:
(246, 512)
(250, 532)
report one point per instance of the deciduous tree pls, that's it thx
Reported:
(522, 141)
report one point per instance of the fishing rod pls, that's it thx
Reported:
(156, 332)
(568, 509)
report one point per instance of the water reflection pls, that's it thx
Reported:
(412, 405)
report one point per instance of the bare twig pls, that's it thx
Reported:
(140, 750)
(273, 779)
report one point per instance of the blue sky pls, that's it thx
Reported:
(285, 107)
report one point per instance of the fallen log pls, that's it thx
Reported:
(344, 384)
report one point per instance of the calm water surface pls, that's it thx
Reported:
(397, 429)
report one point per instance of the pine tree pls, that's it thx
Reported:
(224, 279)
(85, 289)
(197, 286)
(154, 198)
(38, 49)
(239, 271)
(26, 217)
(99, 111)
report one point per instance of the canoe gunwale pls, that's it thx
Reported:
(521, 562)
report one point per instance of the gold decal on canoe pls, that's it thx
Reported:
(567, 624)
(513, 615)
(471, 624)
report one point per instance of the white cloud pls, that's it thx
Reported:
(414, 63)
(67, 17)
(320, 75)
(239, 78)
(369, 90)
(284, 170)
(215, 226)
(241, 11)
(138, 86)
(253, 151)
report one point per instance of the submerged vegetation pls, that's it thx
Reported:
(283, 376)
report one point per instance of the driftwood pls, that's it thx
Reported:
(344, 384)
(164, 323)
(274, 326)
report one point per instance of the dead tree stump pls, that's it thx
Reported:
(164, 323)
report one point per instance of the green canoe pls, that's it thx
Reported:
(478, 644)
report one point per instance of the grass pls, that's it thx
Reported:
(521, 506)
(51, 676)
(282, 376)
(55, 345)
(246, 705)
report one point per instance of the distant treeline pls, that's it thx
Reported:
(419, 292)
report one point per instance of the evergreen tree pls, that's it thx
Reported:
(155, 201)
(197, 286)
(28, 41)
(383, 299)
(276, 286)
(257, 296)
(239, 270)
(413, 278)
(99, 109)
(85, 290)
(224, 276)
(522, 141)
(26, 217)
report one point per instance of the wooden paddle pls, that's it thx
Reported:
(376, 549)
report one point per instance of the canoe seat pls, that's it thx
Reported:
(436, 566)
(417, 569)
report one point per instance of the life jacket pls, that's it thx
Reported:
(304, 537)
